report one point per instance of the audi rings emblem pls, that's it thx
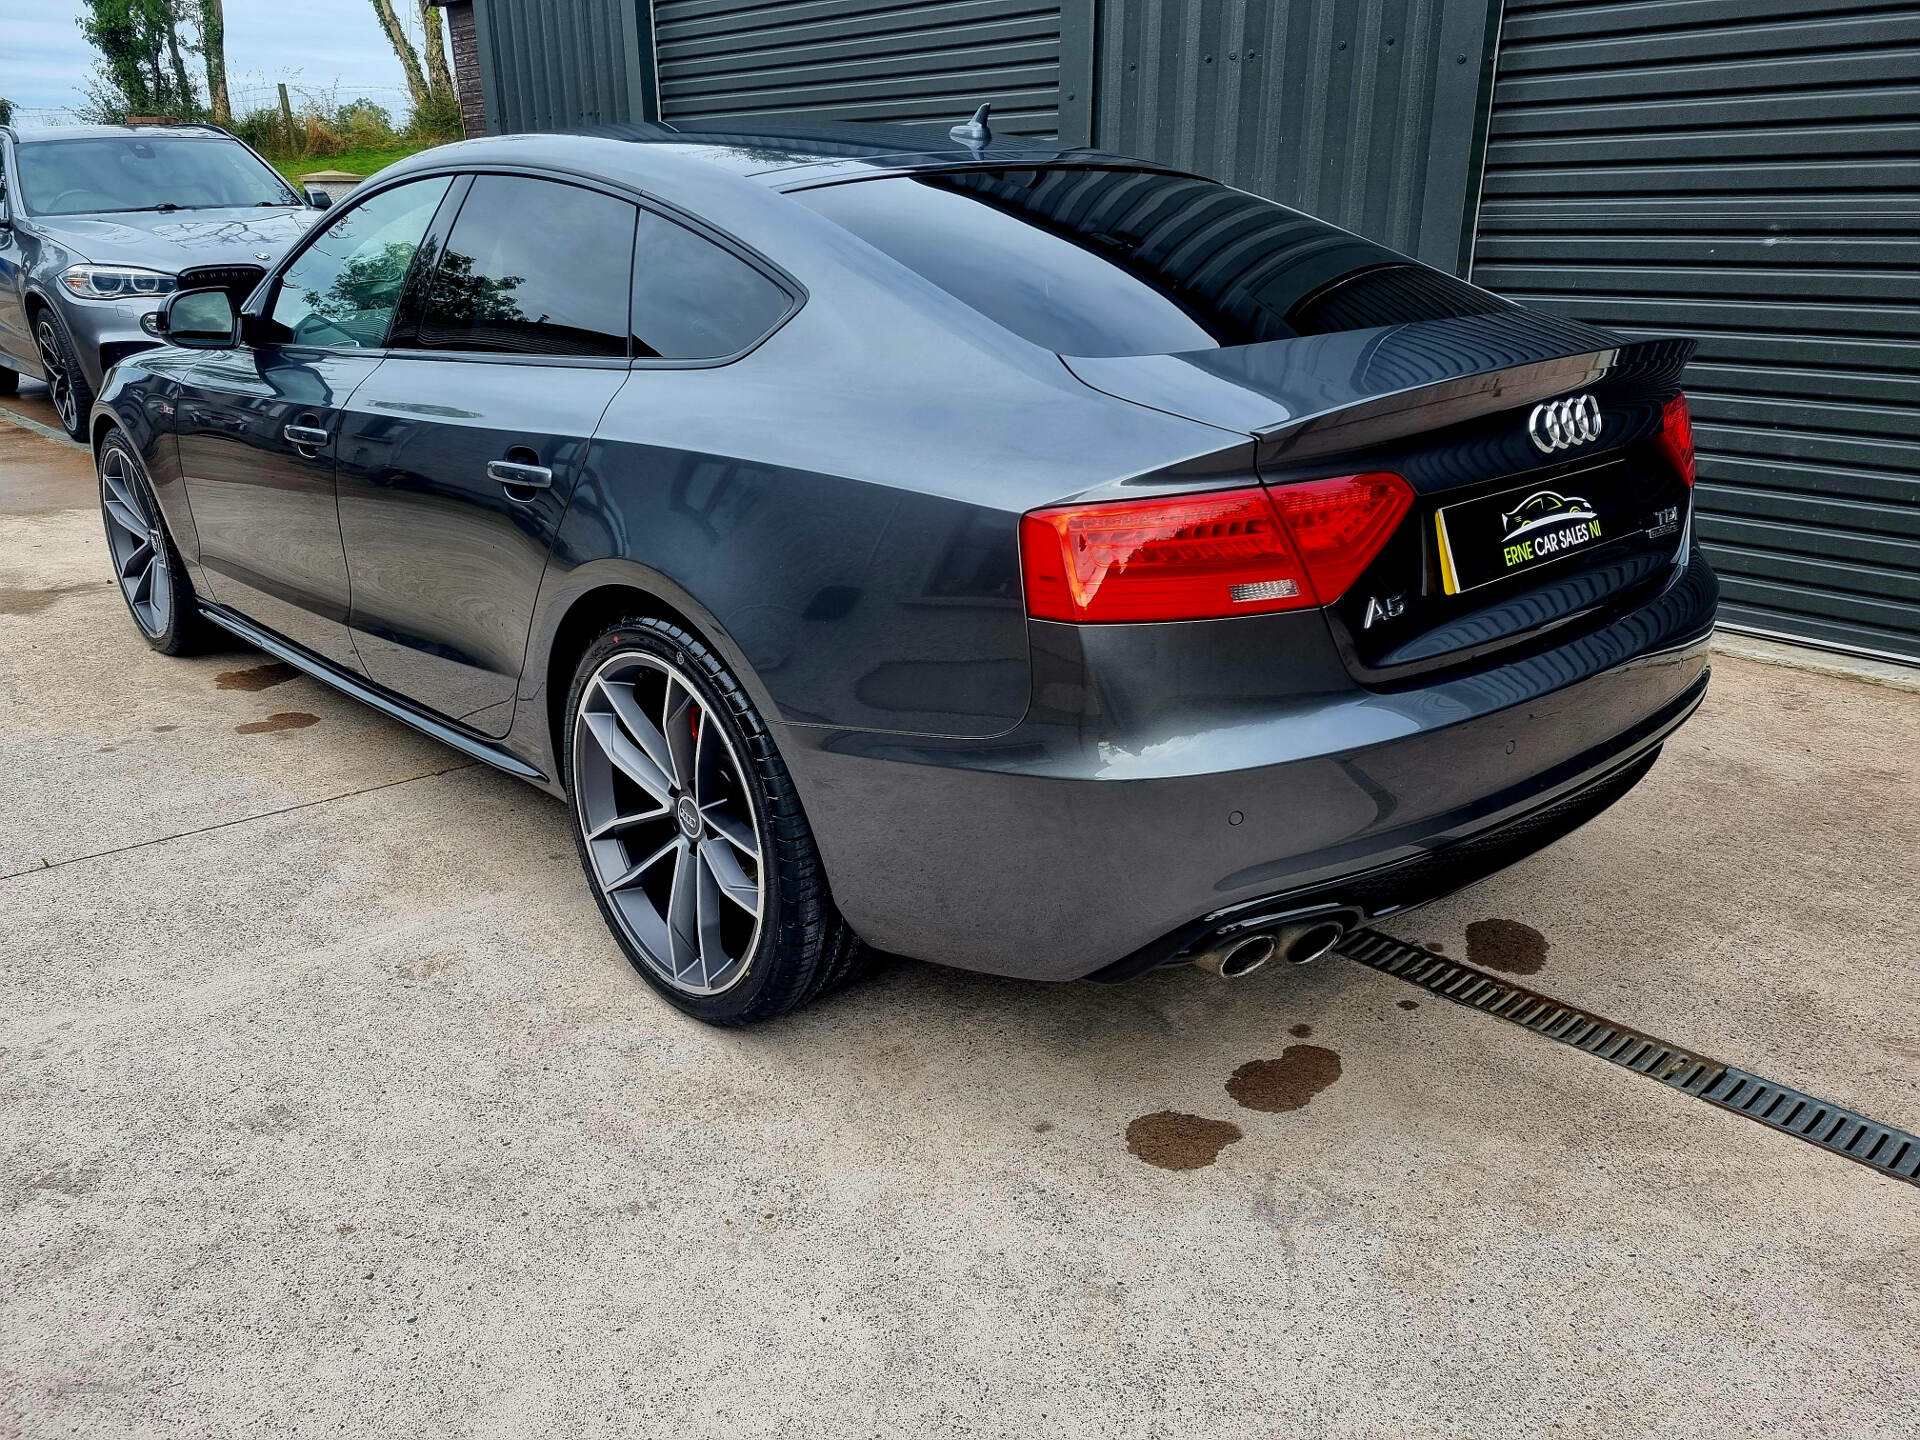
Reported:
(1563, 424)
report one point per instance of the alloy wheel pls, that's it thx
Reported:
(59, 378)
(137, 543)
(670, 820)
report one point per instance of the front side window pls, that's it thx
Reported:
(533, 267)
(161, 172)
(693, 300)
(343, 288)
(1098, 261)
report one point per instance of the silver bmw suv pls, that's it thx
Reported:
(98, 224)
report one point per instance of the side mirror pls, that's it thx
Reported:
(318, 198)
(196, 320)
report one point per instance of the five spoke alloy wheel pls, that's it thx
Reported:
(670, 821)
(137, 543)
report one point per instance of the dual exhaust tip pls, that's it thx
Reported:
(1297, 944)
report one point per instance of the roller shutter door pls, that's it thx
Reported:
(1746, 172)
(928, 63)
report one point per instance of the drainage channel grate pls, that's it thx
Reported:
(1781, 1107)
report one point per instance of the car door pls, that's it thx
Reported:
(257, 424)
(15, 341)
(458, 455)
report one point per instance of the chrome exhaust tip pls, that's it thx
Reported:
(1238, 958)
(1303, 944)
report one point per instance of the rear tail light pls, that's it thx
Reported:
(1676, 436)
(1195, 557)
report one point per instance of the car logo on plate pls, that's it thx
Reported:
(1541, 509)
(1563, 424)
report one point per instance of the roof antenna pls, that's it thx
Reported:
(975, 131)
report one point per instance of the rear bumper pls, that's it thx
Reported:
(1118, 822)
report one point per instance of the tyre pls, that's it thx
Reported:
(67, 383)
(691, 833)
(153, 580)
(9, 381)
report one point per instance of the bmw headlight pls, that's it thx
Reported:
(116, 282)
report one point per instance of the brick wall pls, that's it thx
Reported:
(466, 67)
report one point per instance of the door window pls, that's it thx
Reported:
(693, 300)
(533, 267)
(342, 290)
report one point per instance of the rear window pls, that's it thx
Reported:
(1091, 261)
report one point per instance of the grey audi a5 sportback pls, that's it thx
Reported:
(99, 223)
(1032, 560)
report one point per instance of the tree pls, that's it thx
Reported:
(141, 69)
(439, 77)
(213, 48)
(403, 48)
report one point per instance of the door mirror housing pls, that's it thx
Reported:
(318, 198)
(197, 320)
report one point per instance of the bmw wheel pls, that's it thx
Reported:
(691, 834)
(66, 383)
(153, 581)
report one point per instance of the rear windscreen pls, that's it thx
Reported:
(1092, 261)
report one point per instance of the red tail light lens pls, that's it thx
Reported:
(1194, 557)
(1339, 525)
(1676, 436)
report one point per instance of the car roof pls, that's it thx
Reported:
(786, 156)
(42, 134)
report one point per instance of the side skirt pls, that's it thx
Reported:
(383, 701)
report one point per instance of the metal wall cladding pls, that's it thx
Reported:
(560, 64)
(749, 62)
(1367, 113)
(1747, 172)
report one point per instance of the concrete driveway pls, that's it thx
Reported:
(329, 1107)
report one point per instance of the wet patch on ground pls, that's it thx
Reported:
(280, 720)
(32, 600)
(1507, 946)
(256, 677)
(1408, 1004)
(1289, 1083)
(1175, 1141)
(1300, 1032)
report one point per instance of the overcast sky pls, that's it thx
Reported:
(311, 44)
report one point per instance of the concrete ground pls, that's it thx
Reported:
(329, 1107)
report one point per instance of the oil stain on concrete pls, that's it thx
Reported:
(1289, 1083)
(280, 720)
(256, 677)
(1300, 1032)
(1506, 945)
(31, 601)
(1175, 1141)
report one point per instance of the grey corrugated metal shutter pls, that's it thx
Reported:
(928, 62)
(559, 64)
(1747, 172)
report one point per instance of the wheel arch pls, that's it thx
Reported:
(596, 595)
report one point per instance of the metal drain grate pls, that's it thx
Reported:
(1818, 1122)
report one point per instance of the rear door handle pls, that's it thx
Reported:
(516, 476)
(305, 436)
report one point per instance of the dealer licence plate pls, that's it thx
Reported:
(1488, 539)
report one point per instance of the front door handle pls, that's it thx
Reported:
(305, 437)
(515, 476)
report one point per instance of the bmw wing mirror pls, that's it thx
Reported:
(318, 198)
(196, 320)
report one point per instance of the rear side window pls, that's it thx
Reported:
(533, 267)
(693, 300)
(1090, 261)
